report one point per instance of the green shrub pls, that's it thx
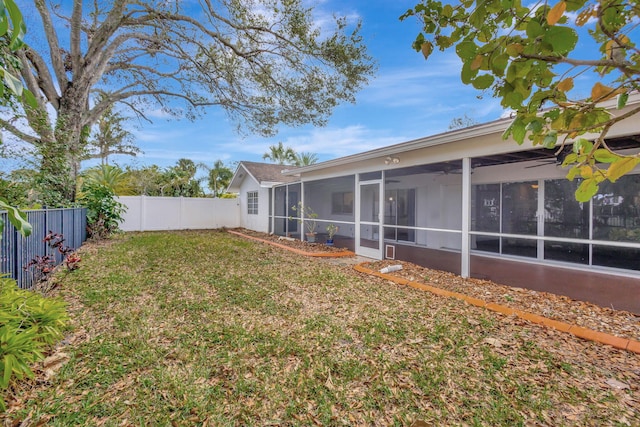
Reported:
(104, 212)
(29, 323)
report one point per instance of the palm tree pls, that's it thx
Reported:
(280, 154)
(109, 176)
(219, 177)
(306, 159)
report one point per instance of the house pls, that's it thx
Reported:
(254, 183)
(469, 202)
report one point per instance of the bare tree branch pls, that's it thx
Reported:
(76, 26)
(54, 47)
(41, 79)
(17, 132)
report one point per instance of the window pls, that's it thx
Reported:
(252, 203)
(342, 203)
(603, 232)
(400, 209)
(616, 210)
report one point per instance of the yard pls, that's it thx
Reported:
(208, 328)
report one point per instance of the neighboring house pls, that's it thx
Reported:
(253, 182)
(469, 202)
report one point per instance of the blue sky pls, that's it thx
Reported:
(408, 98)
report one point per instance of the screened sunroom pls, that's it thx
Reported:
(473, 204)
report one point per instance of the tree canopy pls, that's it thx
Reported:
(526, 56)
(462, 122)
(265, 63)
(12, 32)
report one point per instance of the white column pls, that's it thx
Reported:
(301, 211)
(465, 268)
(273, 210)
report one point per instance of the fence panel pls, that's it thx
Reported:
(17, 251)
(145, 213)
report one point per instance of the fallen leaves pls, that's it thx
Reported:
(617, 385)
(495, 342)
(556, 307)
(245, 334)
(53, 363)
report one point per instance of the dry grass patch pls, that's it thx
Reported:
(206, 328)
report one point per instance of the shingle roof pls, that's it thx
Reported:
(268, 172)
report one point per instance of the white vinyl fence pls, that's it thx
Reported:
(146, 213)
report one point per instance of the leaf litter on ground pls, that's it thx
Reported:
(206, 328)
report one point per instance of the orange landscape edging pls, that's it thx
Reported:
(578, 331)
(295, 250)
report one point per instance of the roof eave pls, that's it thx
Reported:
(429, 141)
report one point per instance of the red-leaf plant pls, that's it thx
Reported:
(43, 266)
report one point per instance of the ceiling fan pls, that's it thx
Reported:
(557, 160)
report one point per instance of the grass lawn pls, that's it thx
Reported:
(206, 328)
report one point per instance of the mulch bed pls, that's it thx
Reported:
(292, 242)
(557, 307)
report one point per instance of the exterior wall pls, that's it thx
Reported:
(259, 222)
(178, 213)
(617, 292)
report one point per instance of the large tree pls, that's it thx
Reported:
(526, 56)
(264, 62)
(110, 137)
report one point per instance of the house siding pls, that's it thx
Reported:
(259, 222)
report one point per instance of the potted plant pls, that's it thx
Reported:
(308, 217)
(332, 229)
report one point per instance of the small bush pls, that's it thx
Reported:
(29, 323)
(104, 213)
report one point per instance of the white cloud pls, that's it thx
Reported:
(338, 142)
(328, 143)
(158, 113)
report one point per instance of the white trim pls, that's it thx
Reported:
(465, 267)
(363, 250)
(559, 239)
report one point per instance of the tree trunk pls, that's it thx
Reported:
(60, 162)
